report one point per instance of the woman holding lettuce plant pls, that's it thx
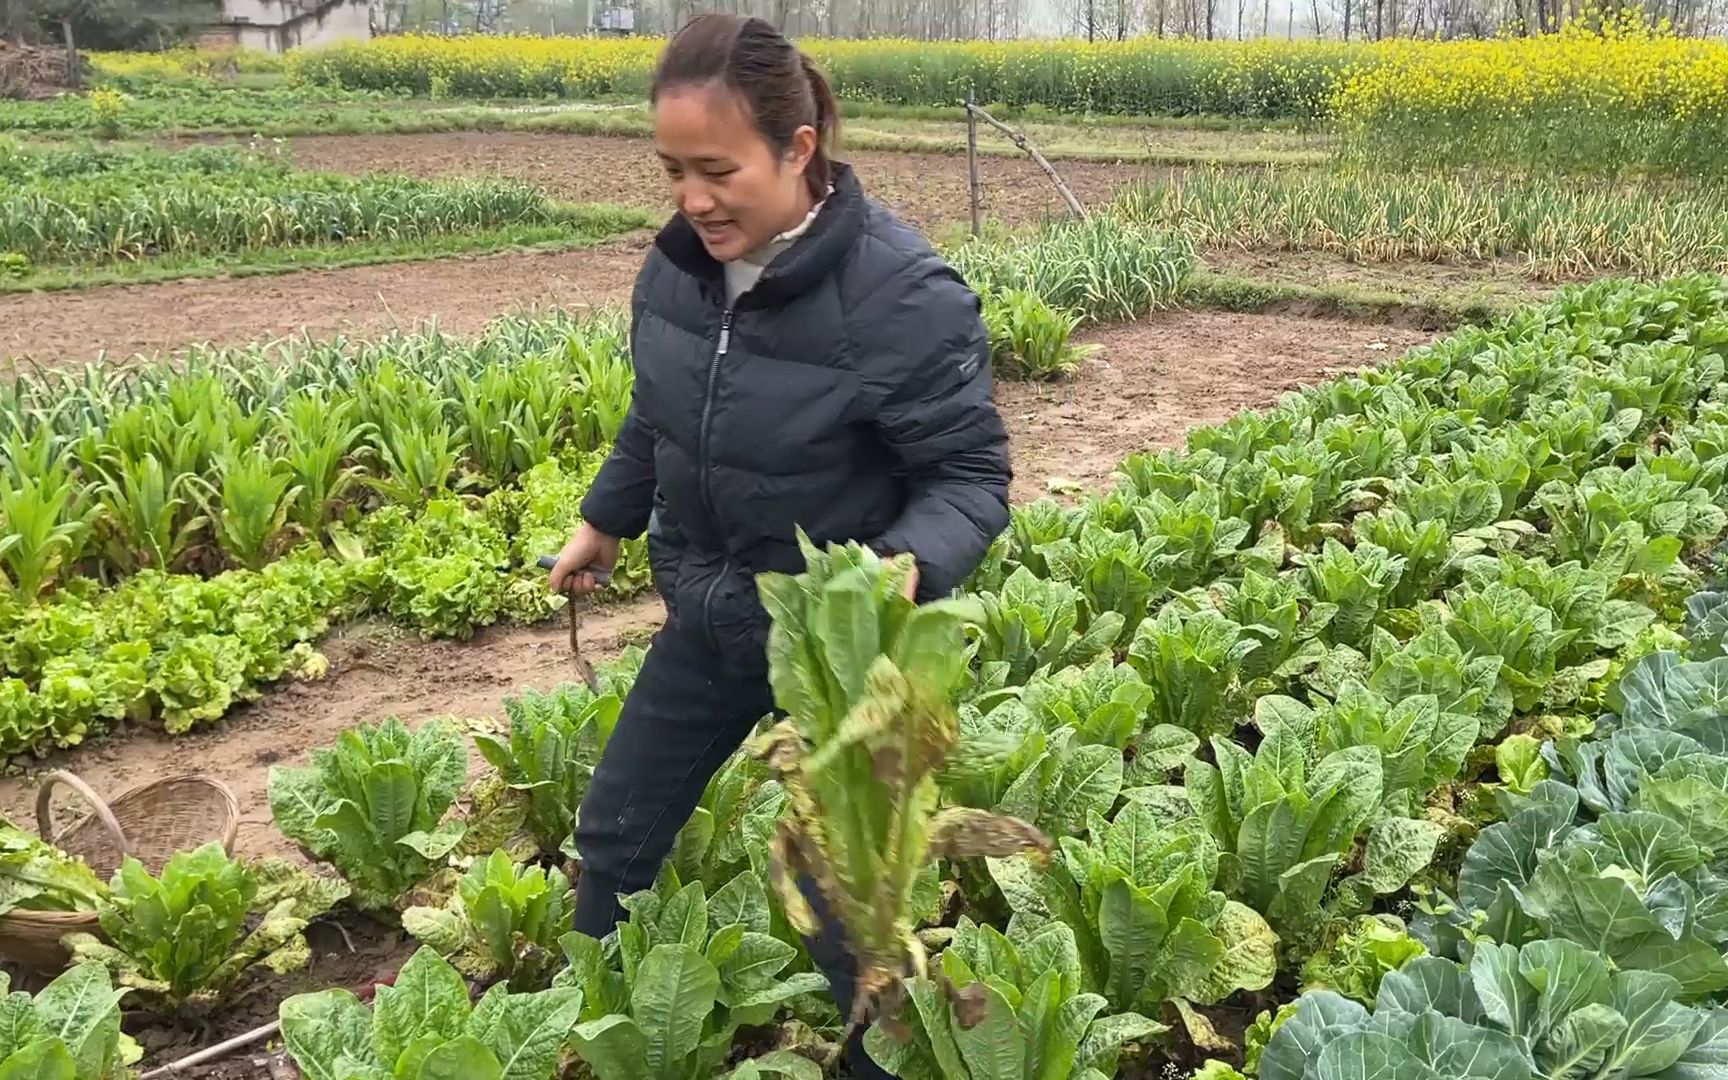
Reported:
(803, 360)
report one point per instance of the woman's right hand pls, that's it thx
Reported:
(590, 549)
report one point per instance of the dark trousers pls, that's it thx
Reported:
(683, 718)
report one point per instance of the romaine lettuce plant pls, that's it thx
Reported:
(1284, 821)
(1462, 504)
(503, 921)
(1358, 581)
(866, 679)
(1420, 746)
(732, 827)
(69, 1031)
(1008, 763)
(1582, 600)
(1139, 900)
(1548, 1011)
(1001, 1010)
(1425, 547)
(1034, 624)
(548, 757)
(184, 938)
(424, 1027)
(1106, 704)
(1115, 572)
(1432, 662)
(1284, 622)
(374, 806)
(1505, 621)
(665, 995)
(1583, 515)
(1192, 537)
(1192, 662)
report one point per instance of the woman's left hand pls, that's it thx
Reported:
(910, 589)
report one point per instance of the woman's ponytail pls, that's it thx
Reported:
(827, 125)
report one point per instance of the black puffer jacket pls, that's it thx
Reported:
(847, 393)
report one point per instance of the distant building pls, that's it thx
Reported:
(279, 25)
(617, 21)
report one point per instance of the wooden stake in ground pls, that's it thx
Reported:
(974, 190)
(1038, 159)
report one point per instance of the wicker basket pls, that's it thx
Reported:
(150, 823)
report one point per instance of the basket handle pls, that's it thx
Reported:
(45, 797)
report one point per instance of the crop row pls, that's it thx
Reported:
(1556, 229)
(1431, 633)
(99, 205)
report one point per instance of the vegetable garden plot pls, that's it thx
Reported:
(1219, 689)
(97, 205)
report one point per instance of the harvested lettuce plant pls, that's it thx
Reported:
(866, 680)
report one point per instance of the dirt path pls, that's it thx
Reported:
(1145, 386)
(1150, 381)
(459, 294)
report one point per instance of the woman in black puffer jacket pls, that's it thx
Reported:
(803, 359)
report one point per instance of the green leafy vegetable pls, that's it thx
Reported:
(866, 679)
(686, 972)
(1420, 746)
(1550, 1010)
(184, 938)
(546, 761)
(504, 920)
(374, 806)
(1002, 1010)
(1147, 922)
(69, 1031)
(1283, 824)
(424, 1028)
(1191, 661)
(1034, 624)
(37, 876)
(1369, 949)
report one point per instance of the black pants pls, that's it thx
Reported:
(683, 718)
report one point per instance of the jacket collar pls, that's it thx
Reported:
(794, 271)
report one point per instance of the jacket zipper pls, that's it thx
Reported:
(702, 464)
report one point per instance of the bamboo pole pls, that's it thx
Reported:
(212, 1053)
(1038, 159)
(974, 190)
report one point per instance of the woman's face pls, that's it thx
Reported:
(729, 181)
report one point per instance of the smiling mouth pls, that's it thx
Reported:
(713, 228)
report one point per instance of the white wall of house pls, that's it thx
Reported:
(280, 25)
